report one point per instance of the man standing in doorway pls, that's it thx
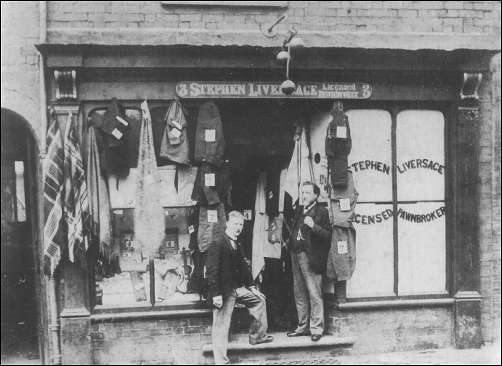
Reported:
(309, 245)
(230, 281)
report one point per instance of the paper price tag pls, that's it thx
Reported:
(209, 180)
(176, 124)
(117, 134)
(191, 229)
(344, 204)
(118, 212)
(342, 247)
(210, 135)
(341, 132)
(248, 215)
(121, 120)
(166, 212)
(175, 132)
(212, 216)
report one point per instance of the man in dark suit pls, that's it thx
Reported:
(230, 281)
(309, 245)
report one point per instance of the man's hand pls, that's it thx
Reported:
(218, 301)
(309, 222)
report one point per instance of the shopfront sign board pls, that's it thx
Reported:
(245, 89)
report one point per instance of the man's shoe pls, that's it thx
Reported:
(266, 339)
(315, 337)
(297, 334)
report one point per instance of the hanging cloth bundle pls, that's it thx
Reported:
(174, 145)
(148, 213)
(338, 146)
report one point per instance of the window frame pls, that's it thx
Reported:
(394, 108)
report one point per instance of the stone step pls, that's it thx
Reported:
(283, 348)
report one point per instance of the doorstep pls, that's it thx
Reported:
(282, 348)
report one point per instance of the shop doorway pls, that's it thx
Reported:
(20, 279)
(259, 135)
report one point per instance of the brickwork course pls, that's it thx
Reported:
(444, 25)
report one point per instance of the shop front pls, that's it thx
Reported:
(223, 136)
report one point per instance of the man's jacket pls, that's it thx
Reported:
(209, 139)
(226, 268)
(316, 241)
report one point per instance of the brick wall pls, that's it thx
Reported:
(386, 16)
(489, 210)
(19, 59)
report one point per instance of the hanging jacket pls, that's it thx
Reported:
(212, 185)
(338, 146)
(212, 223)
(174, 145)
(342, 256)
(114, 125)
(209, 139)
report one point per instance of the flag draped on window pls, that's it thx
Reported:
(54, 237)
(76, 204)
(148, 213)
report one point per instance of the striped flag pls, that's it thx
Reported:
(76, 204)
(54, 238)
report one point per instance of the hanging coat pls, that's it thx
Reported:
(260, 227)
(76, 199)
(299, 169)
(186, 181)
(99, 199)
(148, 213)
(342, 255)
(212, 224)
(174, 145)
(212, 185)
(209, 139)
(54, 238)
(338, 146)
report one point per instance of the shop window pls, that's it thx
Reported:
(400, 217)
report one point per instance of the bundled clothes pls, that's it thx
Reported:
(342, 255)
(99, 199)
(53, 198)
(338, 147)
(209, 139)
(148, 213)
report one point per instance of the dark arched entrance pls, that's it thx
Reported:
(19, 264)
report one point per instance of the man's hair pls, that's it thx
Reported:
(315, 187)
(235, 214)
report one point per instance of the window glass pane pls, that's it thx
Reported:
(374, 272)
(370, 159)
(422, 252)
(420, 155)
(20, 194)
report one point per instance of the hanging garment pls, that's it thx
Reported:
(213, 185)
(212, 223)
(338, 146)
(148, 213)
(300, 168)
(273, 189)
(186, 182)
(123, 190)
(99, 199)
(342, 255)
(174, 145)
(167, 177)
(54, 238)
(318, 127)
(282, 187)
(115, 126)
(209, 139)
(76, 203)
(260, 227)
(272, 249)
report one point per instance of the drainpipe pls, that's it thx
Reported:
(54, 349)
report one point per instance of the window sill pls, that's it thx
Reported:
(390, 304)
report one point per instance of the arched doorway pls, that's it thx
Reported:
(20, 321)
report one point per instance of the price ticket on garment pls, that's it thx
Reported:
(121, 120)
(342, 247)
(248, 215)
(210, 135)
(117, 134)
(176, 132)
(209, 180)
(344, 204)
(191, 229)
(212, 216)
(341, 132)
